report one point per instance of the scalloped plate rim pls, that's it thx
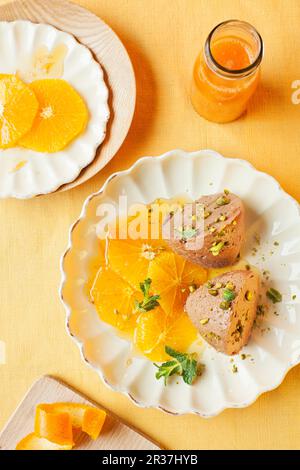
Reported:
(140, 161)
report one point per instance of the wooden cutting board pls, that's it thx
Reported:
(115, 434)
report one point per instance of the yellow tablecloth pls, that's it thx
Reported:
(162, 38)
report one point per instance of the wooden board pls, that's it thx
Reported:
(115, 434)
(110, 53)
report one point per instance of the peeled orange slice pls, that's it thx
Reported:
(154, 331)
(173, 278)
(114, 300)
(131, 258)
(18, 108)
(53, 425)
(33, 442)
(61, 117)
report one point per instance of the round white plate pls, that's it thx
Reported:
(275, 343)
(25, 173)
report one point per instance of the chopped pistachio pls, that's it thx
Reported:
(243, 356)
(209, 284)
(222, 201)
(230, 286)
(213, 292)
(192, 288)
(206, 214)
(274, 295)
(212, 229)
(229, 295)
(248, 295)
(204, 321)
(219, 285)
(276, 243)
(225, 305)
(222, 218)
(216, 248)
(294, 297)
(234, 368)
(234, 222)
(226, 191)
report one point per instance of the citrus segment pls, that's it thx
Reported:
(114, 300)
(154, 331)
(131, 258)
(173, 278)
(61, 117)
(18, 108)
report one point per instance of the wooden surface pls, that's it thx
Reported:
(110, 53)
(162, 38)
(115, 435)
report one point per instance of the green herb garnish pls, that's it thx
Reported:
(274, 295)
(182, 364)
(149, 302)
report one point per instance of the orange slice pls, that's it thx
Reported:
(131, 258)
(61, 117)
(33, 442)
(154, 331)
(53, 426)
(18, 108)
(114, 300)
(173, 278)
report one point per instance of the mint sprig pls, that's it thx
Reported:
(149, 302)
(182, 364)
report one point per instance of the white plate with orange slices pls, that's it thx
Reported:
(54, 111)
(104, 286)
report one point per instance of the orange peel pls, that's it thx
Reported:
(34, 442)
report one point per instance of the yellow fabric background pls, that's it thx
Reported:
(162, 38)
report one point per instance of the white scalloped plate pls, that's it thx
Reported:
(43, 173)
(274, 347)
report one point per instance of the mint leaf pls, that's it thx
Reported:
(183, 364)
(167, 369)
(149, 302)
(190, 371)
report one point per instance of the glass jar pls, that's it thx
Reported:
(226, 73)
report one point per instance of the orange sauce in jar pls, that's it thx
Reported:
(226, 73)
